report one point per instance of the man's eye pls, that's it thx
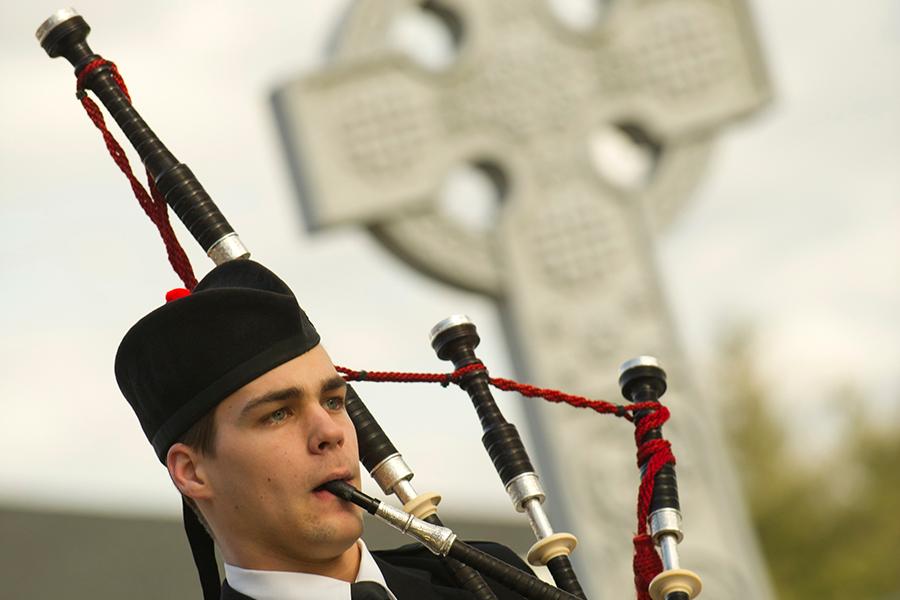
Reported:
(336, 403)
(278, 416)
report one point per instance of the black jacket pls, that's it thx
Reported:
(413, 573)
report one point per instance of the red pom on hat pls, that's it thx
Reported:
(177, 293)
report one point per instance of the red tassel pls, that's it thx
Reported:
(647, 565)
(177, 293)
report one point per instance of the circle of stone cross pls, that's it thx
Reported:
(371, 138)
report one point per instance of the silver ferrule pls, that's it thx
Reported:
(404, 491)
(665, 521)
(390, 471)
(665, 528)
(540, 524)
(444, 325)
(434, 537)
(523, 488)
(639, 361)
(63, 14)
(228, 248)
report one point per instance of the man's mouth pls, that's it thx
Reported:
(336, 476)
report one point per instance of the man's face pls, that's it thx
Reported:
(277, 439)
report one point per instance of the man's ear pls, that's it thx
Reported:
(185, 465)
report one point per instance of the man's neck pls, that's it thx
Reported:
(344, 566)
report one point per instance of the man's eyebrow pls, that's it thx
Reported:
(333, 383)
(292, 393)
(289, 393)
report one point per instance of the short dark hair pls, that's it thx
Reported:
(202, 434)
(202, 438)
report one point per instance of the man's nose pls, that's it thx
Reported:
(325, 432)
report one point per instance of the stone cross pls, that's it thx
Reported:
(570, 256)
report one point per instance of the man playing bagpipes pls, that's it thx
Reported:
(243, 406)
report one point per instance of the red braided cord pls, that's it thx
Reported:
(507, 385)
(600, 406)
(646, 565)
(401, 377)
(96, 64)
(657, 453)
(154, 204)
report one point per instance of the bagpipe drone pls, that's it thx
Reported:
(657, 571)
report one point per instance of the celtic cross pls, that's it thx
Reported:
(570, 256)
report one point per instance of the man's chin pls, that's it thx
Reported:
(335, 538)
(344, 522)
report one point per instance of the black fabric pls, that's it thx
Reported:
(413, 573)
(185, 357)
(229, 593)
(368, 590)
(203, 550)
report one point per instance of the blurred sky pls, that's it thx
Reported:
(794, 229)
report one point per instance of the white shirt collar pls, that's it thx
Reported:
(285, 585)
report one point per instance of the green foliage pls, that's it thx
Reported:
(829, 525)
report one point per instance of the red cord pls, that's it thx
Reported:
(154, 204)
(657, 453)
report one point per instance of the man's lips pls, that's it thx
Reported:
(337, 475)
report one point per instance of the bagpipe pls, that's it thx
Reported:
(658, 574)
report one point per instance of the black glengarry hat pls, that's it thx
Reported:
(178, 362)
